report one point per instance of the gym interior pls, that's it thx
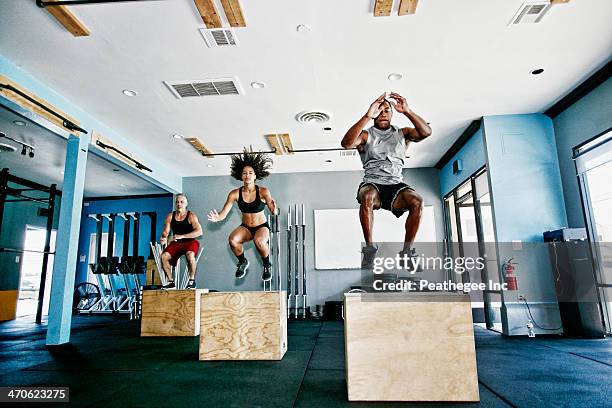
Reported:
(111, 111)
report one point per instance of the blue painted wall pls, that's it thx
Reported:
(585, 119)
(527, 199)
(161, 205)
(472, 155)
(524, 176)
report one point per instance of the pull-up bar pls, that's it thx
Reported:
(42, 4)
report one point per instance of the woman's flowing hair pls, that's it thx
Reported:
(260, 162)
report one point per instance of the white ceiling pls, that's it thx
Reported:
(459, 60)
(102, 178)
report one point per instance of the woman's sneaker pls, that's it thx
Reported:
(242, 269)
(191, 284)
(266, 276)
(169, 285)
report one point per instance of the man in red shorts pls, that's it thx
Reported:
(185, 229)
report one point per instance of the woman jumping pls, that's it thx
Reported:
(252, 200)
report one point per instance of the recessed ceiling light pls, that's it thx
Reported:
(537, 71)
(210, 165)
(303, 28)
(258, 85)
(122, 185)
(129, 92)
(394, 76)
(178, 136)
(19, 122)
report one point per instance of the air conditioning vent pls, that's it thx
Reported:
(312, 117)
(530, 13)
(204, 87)
(219, 37)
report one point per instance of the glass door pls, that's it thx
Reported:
(470, 234)
(594, 169)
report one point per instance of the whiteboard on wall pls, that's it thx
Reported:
(338, 235)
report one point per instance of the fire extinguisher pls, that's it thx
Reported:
(509, 269)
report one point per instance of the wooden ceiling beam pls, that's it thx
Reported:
(274, 144)
(382, 8)
(286, 139)
(200, 147)
(233, 12)
(407, 7)
(68, 20)
(553, 2)
(32, 107)
(208, 12)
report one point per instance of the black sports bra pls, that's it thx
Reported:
(254, 206)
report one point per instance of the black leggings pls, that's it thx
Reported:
(253, 230)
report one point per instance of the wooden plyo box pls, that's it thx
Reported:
(170, 312)
(410, 347)
(8, 304)
(243, 326)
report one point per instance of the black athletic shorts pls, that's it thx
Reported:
(253, 230)
(387, 193)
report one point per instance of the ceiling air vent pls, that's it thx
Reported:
(531, 12)
(205, 87)
(219, 37)
(312, 117)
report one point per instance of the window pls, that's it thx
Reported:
(31, 270)
(594, 170)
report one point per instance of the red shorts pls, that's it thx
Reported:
(178, 248)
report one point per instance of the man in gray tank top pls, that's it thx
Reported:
(382, 149)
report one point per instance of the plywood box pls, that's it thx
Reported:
(171, 312)
(8, 304)
(243, 326)
(409, 347)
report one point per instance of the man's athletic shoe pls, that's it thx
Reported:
(369, 253)
(266, 276)
(242, 269)
(169, 285)
(191, 284)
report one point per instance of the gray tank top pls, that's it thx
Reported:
(383, 156)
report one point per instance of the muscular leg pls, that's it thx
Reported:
(165, 258)
(413, 202)
(262, 237)
(191, 264)
(370, 201)
(238, 237)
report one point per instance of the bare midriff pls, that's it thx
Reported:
(254, 219)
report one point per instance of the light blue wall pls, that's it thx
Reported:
(472, 155)
(585, 119)
(527, 199)
(524, 176)
(322, 190)
(161, 175)
(161, 205)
